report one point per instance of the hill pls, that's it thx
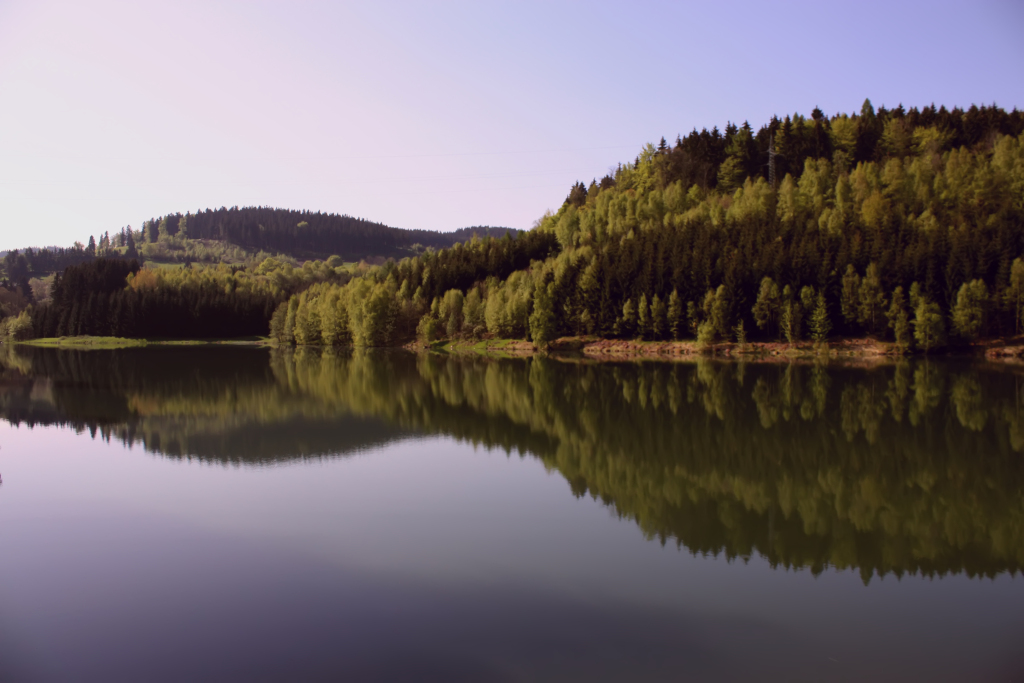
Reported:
(902, 225)
(242, 236)
(304, 234)
(906, 225)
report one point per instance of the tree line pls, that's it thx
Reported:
(116, 297)
(915, 238)
(304, 234)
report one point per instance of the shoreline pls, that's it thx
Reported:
(598, 349)
(857, 349)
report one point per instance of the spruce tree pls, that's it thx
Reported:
(644, 318)
(676, 322)
(821, 326)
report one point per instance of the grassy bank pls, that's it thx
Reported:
(97, 343)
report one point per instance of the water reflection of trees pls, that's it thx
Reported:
(912, 467)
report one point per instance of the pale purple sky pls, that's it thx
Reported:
(431, 115)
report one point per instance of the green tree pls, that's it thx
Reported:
(969, 310)
(929, 327)
(658, 318)
(717, 312)
(731, 175)
(792, 314)
(676, 321)
(644, 318)
(871, 299)
(766, 308)
(542, 319)
(821, 326)
(899, 320)
(627, 323)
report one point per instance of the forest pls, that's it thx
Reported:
(902, 225)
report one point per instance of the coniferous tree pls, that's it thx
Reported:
(899, 320)
(676, 319)
(821, 326)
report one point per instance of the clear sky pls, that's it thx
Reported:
(434, 115)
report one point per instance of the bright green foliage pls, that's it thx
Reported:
(731, 175)
(867, 203)
(450, 312)
(716, 314)
(792, 316)
(929, 324)
(542, 319)
(473, 312)
(821, 326)
(426, 330)
(741, 333)
(17, 327)
(969, 311)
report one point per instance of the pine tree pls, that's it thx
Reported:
(791, 316)
(899, 320)
(676, 322)
(644, 318)
(871, 300)
(658, 318)
(821, 326)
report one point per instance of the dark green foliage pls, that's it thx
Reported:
(305, 234)
(93, 299)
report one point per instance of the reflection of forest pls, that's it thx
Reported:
(911, 467)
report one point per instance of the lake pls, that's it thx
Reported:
(233, 513)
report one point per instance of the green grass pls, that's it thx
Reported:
(86, 342)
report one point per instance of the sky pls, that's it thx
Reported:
(435, 115)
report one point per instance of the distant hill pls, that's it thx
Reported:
(240, 235)
(307, 234)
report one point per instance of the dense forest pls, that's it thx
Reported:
(71, 294)
(906, 225)
(115, 297)
(901, 225)
(304, 234)
(241, 236)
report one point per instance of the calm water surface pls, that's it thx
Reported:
(242, 514)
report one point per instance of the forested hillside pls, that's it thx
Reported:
(906, 225)
(115, 297)
(237, 236)
(304, 234)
